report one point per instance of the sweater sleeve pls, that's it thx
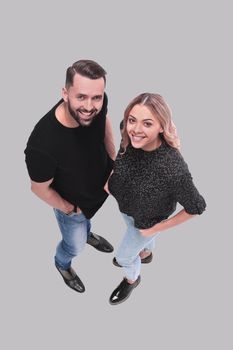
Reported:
(187, 194)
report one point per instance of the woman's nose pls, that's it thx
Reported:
(137, 128)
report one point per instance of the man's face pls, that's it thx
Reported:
(84, 99)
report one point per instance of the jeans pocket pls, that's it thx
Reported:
(71, 214)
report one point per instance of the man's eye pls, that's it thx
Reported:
(80, 98)
(97, 98)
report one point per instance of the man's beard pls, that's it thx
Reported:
(81, 119)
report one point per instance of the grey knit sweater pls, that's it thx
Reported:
(148, 185)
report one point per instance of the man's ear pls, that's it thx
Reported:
(65, 94)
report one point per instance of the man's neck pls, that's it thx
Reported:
(63, 116)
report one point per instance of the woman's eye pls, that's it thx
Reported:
(147, 124)
(131, 121)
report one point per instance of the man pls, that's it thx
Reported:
(69, 157)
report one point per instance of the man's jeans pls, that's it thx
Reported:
(132, 244)
(75, 229)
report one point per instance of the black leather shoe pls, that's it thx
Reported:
(71, 279)
(99, 243)
(123, 291)
(146, 260)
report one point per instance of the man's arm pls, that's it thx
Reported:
(50, 196)
(109, 140)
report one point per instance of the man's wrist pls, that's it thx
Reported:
(68, 208)
(69, 212)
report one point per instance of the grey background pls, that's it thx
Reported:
(181, 49)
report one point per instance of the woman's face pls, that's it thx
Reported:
(143, 128)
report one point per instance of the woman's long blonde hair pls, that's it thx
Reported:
(161, 110)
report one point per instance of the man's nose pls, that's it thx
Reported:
(88, 104)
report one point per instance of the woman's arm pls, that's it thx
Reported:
(175, 220)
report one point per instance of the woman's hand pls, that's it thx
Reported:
(149, 231)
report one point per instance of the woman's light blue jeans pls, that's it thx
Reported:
(132, 244)
(75, 229)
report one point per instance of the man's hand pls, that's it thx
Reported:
(51, 197)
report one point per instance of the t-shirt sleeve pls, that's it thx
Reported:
(41, 166)
(187, 195)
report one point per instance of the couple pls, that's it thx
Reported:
(70, 158)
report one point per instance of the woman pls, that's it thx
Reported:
(150, 176)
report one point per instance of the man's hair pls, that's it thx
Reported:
(87, 68)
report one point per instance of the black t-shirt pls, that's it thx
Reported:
(75, 158)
